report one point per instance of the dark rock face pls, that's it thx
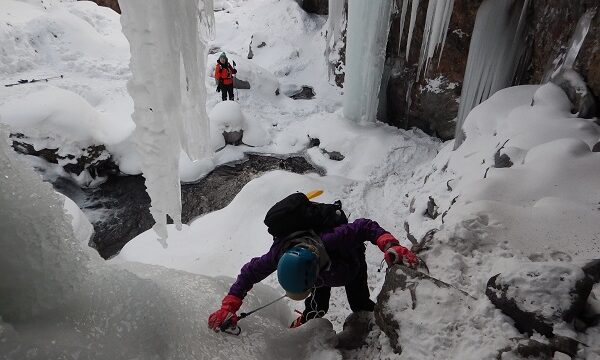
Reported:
(596, 147)
(592, 269)
(431, 101)
(553, 24)
(96, 160)
(118, 209)
(113, 4)
(320, 7)
(540, 317)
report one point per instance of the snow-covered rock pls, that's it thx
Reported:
(538, 296)
(413, 305)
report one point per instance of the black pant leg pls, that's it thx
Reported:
(223, 92)
(317, 304)
(357, 290)
(230, 91)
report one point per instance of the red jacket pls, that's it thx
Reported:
(223, 73)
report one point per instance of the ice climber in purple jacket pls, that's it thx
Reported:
(309, 265)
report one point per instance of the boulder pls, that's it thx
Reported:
(538, 295)
(95, 159)
(305, 93)
(582, 100)
(412, 304)
(356, 328)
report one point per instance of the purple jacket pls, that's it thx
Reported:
(343, 245)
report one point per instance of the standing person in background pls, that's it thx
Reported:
(224, 77)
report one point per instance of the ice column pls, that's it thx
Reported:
(368, 28)
(497, 54)
(168, 62)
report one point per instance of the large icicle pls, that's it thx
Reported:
(368, 28)
(402, 19)
(168, 62)
(434, 34)
(567, 60)
(496, 54)
(411, 25)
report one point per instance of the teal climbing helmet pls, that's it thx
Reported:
(223, 56)
(297, 271)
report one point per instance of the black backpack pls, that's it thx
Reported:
(296, 213)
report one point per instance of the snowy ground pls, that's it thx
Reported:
(543, 209)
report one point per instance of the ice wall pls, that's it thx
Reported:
(34, 275)
(168, 62)
(368, 28)
(497, 54)
(61, 301)
(336, 24)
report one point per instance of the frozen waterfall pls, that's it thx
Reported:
(497, 54)
(168, 62)
(368, 28)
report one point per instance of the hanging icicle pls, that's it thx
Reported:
(567, 60)
(411, 25)
(497, 55)
(434, 33)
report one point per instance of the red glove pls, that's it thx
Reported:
(297, 322)
(394, 252)
(229, 306)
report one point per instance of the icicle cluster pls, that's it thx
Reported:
(168, 62)
(437, 20)
(368, 28)
(497, 54)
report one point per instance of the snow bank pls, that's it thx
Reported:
(64, 36)
(227, 116)
(554, 172)
(63, 120)
(221, 242)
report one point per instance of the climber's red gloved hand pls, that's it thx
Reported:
(394, 252)
(296, 323)
(229, 306)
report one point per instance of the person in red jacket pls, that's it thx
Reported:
(309, 272)
(224, 77)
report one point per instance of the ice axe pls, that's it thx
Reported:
(236, 330)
